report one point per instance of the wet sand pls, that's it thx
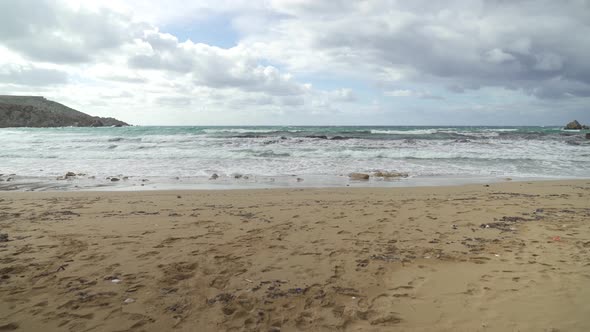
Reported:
(504, 257)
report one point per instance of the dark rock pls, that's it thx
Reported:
(67, 176)
(338, 138)
(574, 125)
(317, 136)
(588, 136)
(3, 237)
(114, 179)
(97, 123)
(214, 176)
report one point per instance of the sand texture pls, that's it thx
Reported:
(504, 257)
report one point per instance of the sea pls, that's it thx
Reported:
(177, 157)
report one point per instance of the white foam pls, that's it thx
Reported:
(405, 132)
(245, 130)
(186, 154)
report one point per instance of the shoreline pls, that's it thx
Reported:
(508, 256)
(187, 157)
(132, 184)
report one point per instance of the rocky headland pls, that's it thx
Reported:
(36, 111)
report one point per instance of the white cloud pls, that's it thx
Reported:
(498, 56)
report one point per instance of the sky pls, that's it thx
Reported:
(303, 62)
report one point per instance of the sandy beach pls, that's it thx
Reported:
(511, 256)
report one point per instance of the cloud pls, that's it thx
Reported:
(342, 95)
(522, 44)
(399, 93)
(31, 75)
(412, 93)
(213, 66)
(300, 61)
(497, 56)
(123, 79)
(51, 31)
(173, 101)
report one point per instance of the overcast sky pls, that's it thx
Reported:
(303, 62)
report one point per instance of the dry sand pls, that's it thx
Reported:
(291, 260)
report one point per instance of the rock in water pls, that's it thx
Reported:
(574, 125)
(358, 176)
(588, 136)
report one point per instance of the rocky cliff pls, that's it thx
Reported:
(33, 111)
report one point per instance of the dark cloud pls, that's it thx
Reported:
(530, 45)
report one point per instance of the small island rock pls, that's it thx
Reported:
(574, 125)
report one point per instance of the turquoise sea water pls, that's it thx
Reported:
(314, 152)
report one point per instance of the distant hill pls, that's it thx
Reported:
(34, 111)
